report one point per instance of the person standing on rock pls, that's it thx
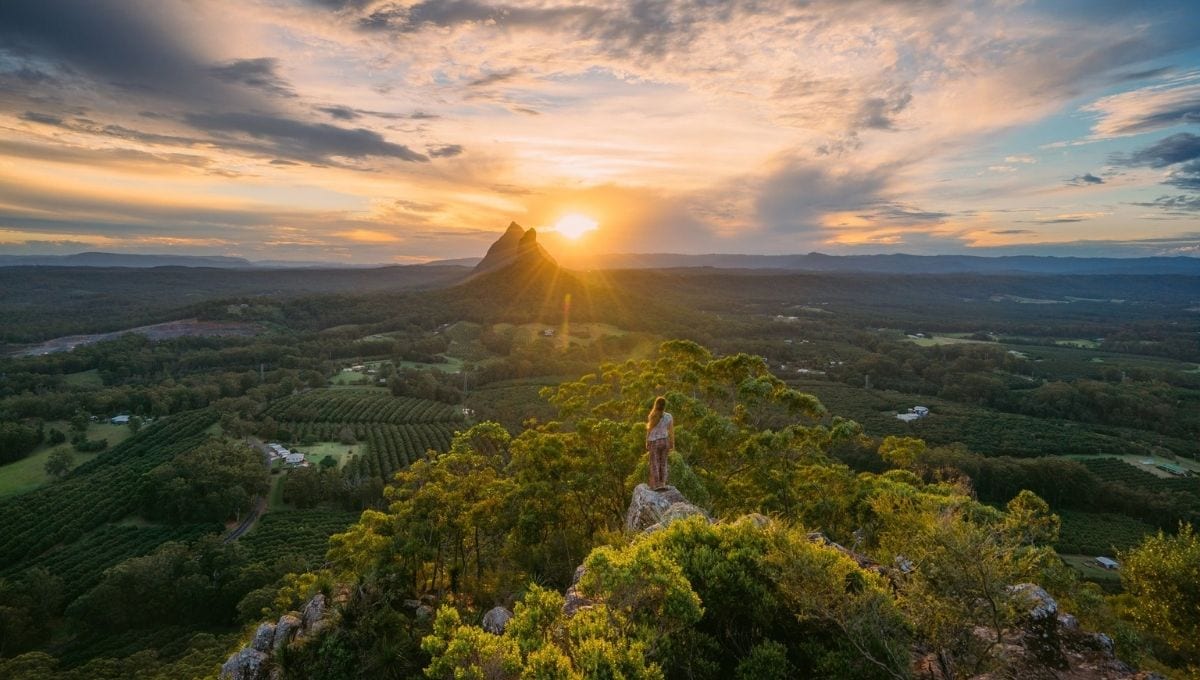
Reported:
(660, 440)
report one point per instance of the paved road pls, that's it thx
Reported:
(261, 505)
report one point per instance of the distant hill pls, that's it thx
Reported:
(94, 259)
(909, 264)
(517, 243)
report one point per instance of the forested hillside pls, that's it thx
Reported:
(505, 520)
(139, 465)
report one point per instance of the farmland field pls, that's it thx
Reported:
(1115, 469)
(370, 432)
(29, 473)
(302, 534)
(360, 406)
(99, 491)
(1094, 533)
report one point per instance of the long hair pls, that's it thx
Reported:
(656, 413)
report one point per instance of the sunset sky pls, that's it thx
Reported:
(382, 131)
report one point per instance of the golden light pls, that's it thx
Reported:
(574, 225)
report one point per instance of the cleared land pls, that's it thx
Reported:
(30, 472)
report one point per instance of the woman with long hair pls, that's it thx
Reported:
(660, 440)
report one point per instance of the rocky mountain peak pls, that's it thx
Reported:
(516, 246)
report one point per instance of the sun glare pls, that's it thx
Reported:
(574, 225)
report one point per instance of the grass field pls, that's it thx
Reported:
(1136, 461)
(313, 453)
(29, 473)
(936, 340)
(275, 496)
(84, 379)
(1087, 568)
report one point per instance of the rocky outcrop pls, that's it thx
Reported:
(496, 620)
(651, 510)
(573, 599)
(256, 661)
(517, 246)
(1047, 643)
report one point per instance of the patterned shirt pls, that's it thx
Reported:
(662, 430)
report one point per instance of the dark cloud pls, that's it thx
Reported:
(879, 113)
(1011, 232)
(1177, 148)
(313, 142)
(261, 74)
(649, 27)
(494, 77)
(340, 4)
(127, 44)
(340, 112)
(1141, 75)
(1179, 204)
(445, 151)
(106, 156)
(43, 118)
(795, 197)
(1173, 112)
(1186, 176)
(1086, 179)
(842, 145)
(1061, 220)
(445, 13)
(1181, 150)
(895, 213)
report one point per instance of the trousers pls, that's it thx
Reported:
(658, 449)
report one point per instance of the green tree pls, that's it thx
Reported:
(59, 464)
(212, 482)
(901, 452)
(1029, 520)
(1162, 578)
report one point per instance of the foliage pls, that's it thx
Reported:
(212, 482)
(59, 463)
(1162, 577)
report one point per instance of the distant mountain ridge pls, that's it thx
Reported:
(899, 263)
(511, 248)
(100, 259)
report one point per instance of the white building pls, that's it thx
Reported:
(1107, 562)
(119, 420)
(907, 417)
(921, 411)
(294, 458)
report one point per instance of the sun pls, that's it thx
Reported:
(574, 225)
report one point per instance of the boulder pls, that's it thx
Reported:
(1040, 627)
(1068, 622)
(496, 619)
(285, 630)
(264, 637)
(574, 601)
(649, 507)
(314, 611)
(245, 664)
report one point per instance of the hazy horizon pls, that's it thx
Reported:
(382, 132)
